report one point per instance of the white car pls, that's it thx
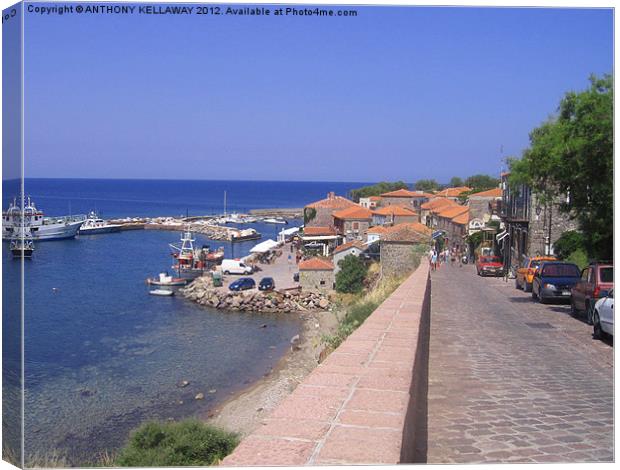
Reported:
(603, 317)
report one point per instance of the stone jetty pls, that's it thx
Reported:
(201, 290)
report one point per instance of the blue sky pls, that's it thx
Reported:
(395, 93)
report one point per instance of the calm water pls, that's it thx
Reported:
(102, 355)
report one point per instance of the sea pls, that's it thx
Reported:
(103, 356)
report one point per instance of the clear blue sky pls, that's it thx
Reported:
(396, 93)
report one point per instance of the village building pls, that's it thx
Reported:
(392, 215)
(323, 239)
(373, 234)
(453, 233)
(397, 247)
(319, 213)
(432, 207)
(316, 274)
(353, 222)
(485, 205)
(453, 193)
(530, 228)
(405, 198)
(354, 248)
(370, 202)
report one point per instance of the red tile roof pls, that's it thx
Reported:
(332, 202)
(437, 203)
(453, 192)
(452, 211)
(316, 264)
(319, 231)
(395, 210)
(495, 192)
(353, 212)
(406, 193)
(354, 244)
(377, 229)
(412, 232)
(375, 198)
(461, 219)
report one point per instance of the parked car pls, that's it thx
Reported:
(595, 283)
(554, 280)
(489, 266)
(235, 266)
(243, 283)
(527, 269)
(603, 316)
(266, 283)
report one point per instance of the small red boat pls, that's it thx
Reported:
(165, 280)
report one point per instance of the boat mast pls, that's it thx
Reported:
(224, 203)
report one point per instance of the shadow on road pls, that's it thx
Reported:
(520, 300)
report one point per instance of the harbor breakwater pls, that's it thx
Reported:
(201, 291)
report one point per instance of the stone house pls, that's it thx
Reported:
(530, 228)
(453, 193)
(393, 215)
(370, 202)
(483, 205)
(354, 248)
(352, 222)
(373, 234)
(397, 247)
(453, 232)
(405, 198)
(429, 208)
(319, 213)
(316, 274)
(325, 236)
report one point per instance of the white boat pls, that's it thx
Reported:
(162, 292)
(245, 235)
(249, 220)
(275, 220)
(41, 227)
(95, 225)
(22, 245)
(167, 281)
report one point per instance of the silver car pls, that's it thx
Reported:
(603, 317)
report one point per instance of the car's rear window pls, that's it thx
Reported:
(560, 270)
(607, 274)
(490, 259)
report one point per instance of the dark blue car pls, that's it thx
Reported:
(554, 281)
(266, 283)
(243, 283)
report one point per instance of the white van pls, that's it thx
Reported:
(235, 266)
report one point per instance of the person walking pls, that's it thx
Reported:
(434, 261)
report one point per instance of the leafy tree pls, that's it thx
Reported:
(571, 158)
(350, 278)
(427, 185)
(481, 182)
(456, 182)
(568, 243)
(376, 189)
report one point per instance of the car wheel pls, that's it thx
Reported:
(598, 331)
(227, 272)
(541, 298)
(528, 287)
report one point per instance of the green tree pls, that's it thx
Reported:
(571, 158)
(350, 278)
(427, 185)
(481, 182)
(568, 243)
(376, 189)
(456, 182)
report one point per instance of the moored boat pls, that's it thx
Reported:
(168, 281)
(161, 292)
(95, 225)
(245, 235)
(275, 220)
(193, 262)
(21, 245)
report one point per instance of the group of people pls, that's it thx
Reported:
(452, 256)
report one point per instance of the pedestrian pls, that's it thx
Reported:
(434, 261)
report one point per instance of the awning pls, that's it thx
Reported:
(289, 231)
(437, 234)
(500, 236)
(265, 246)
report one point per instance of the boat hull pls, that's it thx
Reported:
(98, 230)
(49, 232)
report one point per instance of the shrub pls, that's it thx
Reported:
(178, 444)
(570, 242)
(579, 257)
(350, 278)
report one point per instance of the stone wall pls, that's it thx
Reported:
(366, 404)
(538, 230)
(316, 280)
(397, 201)
(323, 217)
(479, 208)
(397, 258)
(350, 233)
(405, 219)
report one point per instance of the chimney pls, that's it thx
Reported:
(331, 195)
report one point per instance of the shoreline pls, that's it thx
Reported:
(245, 411)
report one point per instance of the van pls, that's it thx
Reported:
(235, 266)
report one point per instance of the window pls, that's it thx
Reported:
(356, 225)
(607, 274)
(322, 282)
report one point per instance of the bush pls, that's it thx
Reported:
(569, 243)
(579, 257)
(179, 444)
(350, 278)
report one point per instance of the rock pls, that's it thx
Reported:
(323, 303)
(295, 339)
(199, 396)
(183, 383)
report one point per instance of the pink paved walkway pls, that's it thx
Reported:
(356, 407)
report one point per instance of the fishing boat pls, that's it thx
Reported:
(162, 292)
(244, 235)
(21, 245)
(95, 225)
(192, 262)
(167, 281)
(41, 227)
(275, 220)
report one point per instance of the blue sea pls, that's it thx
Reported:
(103, 356)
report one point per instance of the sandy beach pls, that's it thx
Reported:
(245, 411)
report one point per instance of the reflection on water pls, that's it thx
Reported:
(102, 355)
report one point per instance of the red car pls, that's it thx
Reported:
(595, 283)
(489, 266)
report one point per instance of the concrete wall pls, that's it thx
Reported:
(366, 403)
(311, 280)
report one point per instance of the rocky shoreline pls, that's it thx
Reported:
(201, 291)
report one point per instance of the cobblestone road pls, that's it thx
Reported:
(511, 380)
